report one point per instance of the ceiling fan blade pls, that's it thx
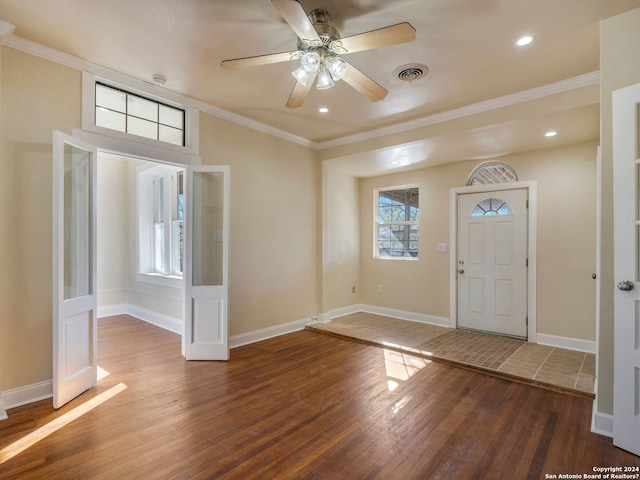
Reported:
(392, 35)
(364, 84)
(297, 18)
(258, 60)
(300, 92)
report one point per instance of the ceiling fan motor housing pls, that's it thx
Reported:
(320, 19)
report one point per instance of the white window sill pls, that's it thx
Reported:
(404, 259)
(171, 281)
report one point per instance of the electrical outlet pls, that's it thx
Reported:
(380, 288)
(353, 289)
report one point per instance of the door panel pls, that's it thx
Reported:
(207, 263)
(492, 273)
(74, 268)
(626, 233)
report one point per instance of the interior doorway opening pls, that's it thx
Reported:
(140, 240)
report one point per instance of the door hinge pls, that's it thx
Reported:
(526, 262)
(527, 206)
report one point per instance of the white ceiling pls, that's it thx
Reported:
(468, 46)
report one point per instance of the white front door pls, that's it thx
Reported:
(492, 262)
(206, 275)
(626, 233)
(74, 268)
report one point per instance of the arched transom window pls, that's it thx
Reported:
(491, 206)
(492, 172)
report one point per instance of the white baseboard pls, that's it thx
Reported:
(266, 333)
(3, 412)
(111, 310)
(602, 424)
(158, 319)
(566, 342)
(161, 320)
(27, 394)
(404, 315)
(341, 312)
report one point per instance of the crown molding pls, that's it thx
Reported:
(6, 28)
(592, 78)
(9, 39)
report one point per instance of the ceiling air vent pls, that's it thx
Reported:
(411, 72)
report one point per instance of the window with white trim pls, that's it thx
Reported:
(396, 222)
(160, 191)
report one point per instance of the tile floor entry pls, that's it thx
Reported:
(540, 365)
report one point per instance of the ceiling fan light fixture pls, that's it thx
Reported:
(301, 76)
(310, 62)
(337, 67)
(324, 80)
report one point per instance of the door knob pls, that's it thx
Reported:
(626, 285)
(461, 271)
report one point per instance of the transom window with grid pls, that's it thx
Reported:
(396, 225)
(123, 111)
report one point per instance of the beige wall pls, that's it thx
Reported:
(38, 97)
(566, 180)
(341, 242)
(619, 67)
(113, 232)
(275, 224)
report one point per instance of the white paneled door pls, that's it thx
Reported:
(74, 268)
(626, 233)
(206, 274)
(492, 261)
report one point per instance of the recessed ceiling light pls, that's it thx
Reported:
(323, 109)
(395, 162)
(551, 133)
(526, 40)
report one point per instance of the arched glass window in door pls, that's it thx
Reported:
(491, 206)
(492, 172)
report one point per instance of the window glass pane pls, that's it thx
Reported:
(170, 135)
(180, 196)
(491, 206)
(130, 113)
(143, 128)
(77, 222)
(143, 108)
(110, 119)
(111, 98)
(178, 247)
(398, 212)
(158, 247)
(208, 234)
(384, 241)
(172, 117)
(158, 199)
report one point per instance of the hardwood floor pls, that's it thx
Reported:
(303, 405)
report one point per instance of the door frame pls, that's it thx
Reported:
(532, 234)
(124, 147)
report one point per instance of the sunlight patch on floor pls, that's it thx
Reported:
(102, 373)
(19, 446)
(401, 367)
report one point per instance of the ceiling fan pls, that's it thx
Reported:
(319, 50)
